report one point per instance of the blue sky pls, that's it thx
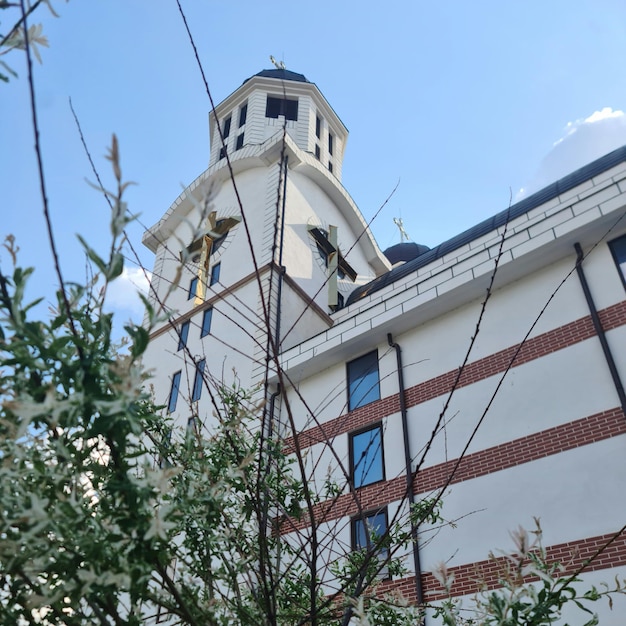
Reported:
(459, 101)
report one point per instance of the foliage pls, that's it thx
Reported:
(533, 591)
(18, 35)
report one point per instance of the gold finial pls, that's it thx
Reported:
(403, 234)
(280, 65)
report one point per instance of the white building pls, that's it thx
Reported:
(536, 424)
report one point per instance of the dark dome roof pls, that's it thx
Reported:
(406, 251)
(281, 75)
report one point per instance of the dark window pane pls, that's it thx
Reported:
(243, 114)
(171, 404)
(366, 457)
(182, 337)
(330, 166)
(618, 250)
(366, 532)
(198, 380)
(317, 151)
(330, 143)
(279, 106)
(215, 273)
(369, 529)
(191, 425)
(291, 109)
(239, 142)
(193, 287)
(363, 383)
(226, 129)
(272, 108)
(318, 127)
(206, 323)
(222, 152)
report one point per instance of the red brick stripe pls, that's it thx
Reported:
(472, 577)
(545, 443)
(534, 348)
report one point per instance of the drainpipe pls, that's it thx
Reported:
(419, 592)
(598, 327)
(271, 411)
(282, 269)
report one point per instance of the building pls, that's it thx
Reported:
(371, 344)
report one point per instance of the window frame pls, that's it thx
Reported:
(383, 552)
(243, 114)
(276, 106)
(331, 141)
(226, 127)
(198, 380)
(215, 274)
(239, 143)
(614, 244)
(378, 456)
(356, 401)
(207, 318)
(193, 288)
(183, 334)
(174, 389)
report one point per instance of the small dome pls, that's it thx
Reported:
(405, 251)
(281, 75)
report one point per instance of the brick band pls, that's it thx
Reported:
(472, 577)
(537, 347)
(587, 430)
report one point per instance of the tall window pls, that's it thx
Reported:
(198, 380)
(171, 403)
(226, 127)
(318, 126)
(618, 250)
(192, 427)
(366, 531)
(206, 322)
(363, 380)
(243, 114)
(215, 273)
(239, 144)
(193, 288)
(317, 151)
(281, 106)
(330, 143)
(182, 336)
(366, 456)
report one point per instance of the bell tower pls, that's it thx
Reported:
(264, 247)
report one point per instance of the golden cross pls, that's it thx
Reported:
(215, 229)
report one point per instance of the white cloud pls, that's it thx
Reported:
(122, 294)
(583, 141)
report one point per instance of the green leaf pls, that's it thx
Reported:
(91, 253)
(116, 266)
(140, 337)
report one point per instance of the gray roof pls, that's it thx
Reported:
(540, 197)
(281, 75)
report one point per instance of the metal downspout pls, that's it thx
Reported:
(409, 472)
(281, 269)
(598, 327)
